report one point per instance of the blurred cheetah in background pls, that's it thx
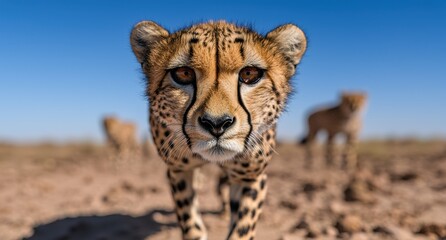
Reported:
(121, 136)
(344, 118)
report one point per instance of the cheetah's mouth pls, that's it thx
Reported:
(217, 150)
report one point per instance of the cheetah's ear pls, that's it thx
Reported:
(143, 36)
(291, 40)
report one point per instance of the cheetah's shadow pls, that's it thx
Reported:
(108, 227)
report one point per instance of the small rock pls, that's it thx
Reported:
(407, 176)
(303, 224)
(311, 234)
(154, 189)
(359, 236)
(349, 224)
(288, 204)
(127, 186)
(382, 230)
(312, 187)
(357, 190)
(337, 207)
(330, 231)
(313, 231)
(433, 228)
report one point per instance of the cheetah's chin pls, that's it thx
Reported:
(217, 151)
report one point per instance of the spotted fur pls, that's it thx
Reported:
(345, 118)
(217, 51)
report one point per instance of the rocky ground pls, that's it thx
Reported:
(79, 191)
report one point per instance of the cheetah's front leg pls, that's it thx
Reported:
(246, 200)
(186, 204)
(350, 157)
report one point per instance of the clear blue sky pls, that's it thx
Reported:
(64, 64)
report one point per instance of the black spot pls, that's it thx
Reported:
(262, 184)
(162, 141)
(250, 192)
(193, 40)
(166, 133)
(181, 185)
(239, 40)
(260, 204)
(253, 213)
(179, 204)
(245, 165)
(243, 213)
(185, 160)
(243, 231)
(186, 217)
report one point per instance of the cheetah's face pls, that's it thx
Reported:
(353, 102)
(216, 86)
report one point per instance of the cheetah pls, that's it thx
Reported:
(121, 136)
(344, 118)
(215, 91)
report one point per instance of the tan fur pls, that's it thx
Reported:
(121, 136)
(217, 52)
(345, 118)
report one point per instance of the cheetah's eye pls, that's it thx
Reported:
(250, 75)
(183, 75)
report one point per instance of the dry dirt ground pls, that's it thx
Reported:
(79, 191)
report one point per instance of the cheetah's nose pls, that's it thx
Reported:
(216, 125)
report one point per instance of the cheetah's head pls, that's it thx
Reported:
(216, 86)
